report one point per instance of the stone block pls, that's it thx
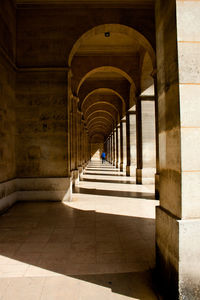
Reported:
(189, 105)
(178, 250)
(188, 22)
(190, 142)
(190, 195)
(189, 62)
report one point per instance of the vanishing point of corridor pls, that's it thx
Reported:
(98, 246)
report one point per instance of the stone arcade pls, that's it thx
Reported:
(123, 76)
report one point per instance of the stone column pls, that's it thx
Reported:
(116, 148)
(111, 150)
(82, 143)
(108, 149)
(148, 138)
(123, 145)
(139, 141)
(119, 148)
(131, 142)
(80, 168)
(68, 192)
(71, 142)
(75, 173)
(178, 216)
(157, 175)
(113, 147)
(84, 146)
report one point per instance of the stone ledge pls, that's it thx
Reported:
(34, 189)
(8, 194)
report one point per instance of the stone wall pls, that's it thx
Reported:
(7, 103)
(45, 36)
(41, 114)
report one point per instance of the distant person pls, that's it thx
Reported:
(103, 156)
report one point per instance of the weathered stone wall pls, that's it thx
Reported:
(7, 90)
(7, 104)
(8, 28)
(7, 120)
(45, 36)
(41, 114)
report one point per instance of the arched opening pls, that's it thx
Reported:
(114, 63)
(118, 29)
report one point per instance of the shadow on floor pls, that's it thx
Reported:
(90, 191)
(112, 251)
(111, 181)
(102, 174)
(103, 169)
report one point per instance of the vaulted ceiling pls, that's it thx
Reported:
(105, 67)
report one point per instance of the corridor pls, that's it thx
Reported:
(98, 246)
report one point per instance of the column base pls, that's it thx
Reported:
(122, 167)
(44, 189)
(80, 171)
(138, 176)
(130, 171)
(113, 163)
(177, 256)
(157, 186)
(117, 165)
(84, 165)
(75, 177)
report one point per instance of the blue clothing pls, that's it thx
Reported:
(103, 155)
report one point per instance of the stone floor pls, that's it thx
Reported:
(100, 246)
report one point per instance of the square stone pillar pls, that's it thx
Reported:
(75, 150)
(123, 145)
(131, 142)
(116, 148)
(157, 175)
(109, 151)
(113, 147)
(148, 138)
(82, 143)
(178, 216)
(119, 149)
(139, 142)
